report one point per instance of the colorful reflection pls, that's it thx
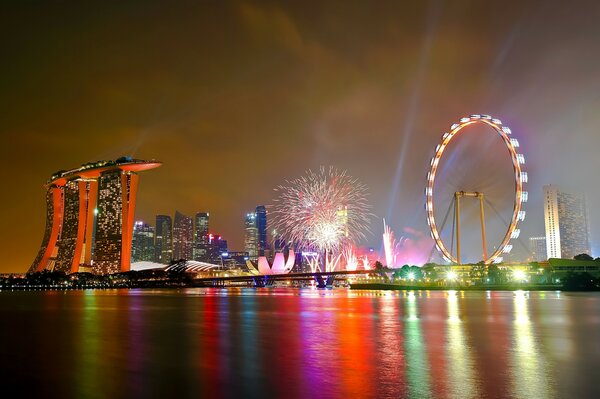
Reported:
(417, 366)
(529, 366)
(460, 361)
(304, 343)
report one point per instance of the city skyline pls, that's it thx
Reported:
(289, 93)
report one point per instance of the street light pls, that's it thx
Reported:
(451, 275)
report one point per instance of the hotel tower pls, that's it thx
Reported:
(90, 217)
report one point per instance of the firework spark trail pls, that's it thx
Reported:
(350, 257)
(389, 245)
(321, 211)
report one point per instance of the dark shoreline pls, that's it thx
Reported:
(398, 287)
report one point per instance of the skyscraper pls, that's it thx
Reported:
(164, 239)
(261, 226)
(142, 246)
(183, 237)
(251, 236)
(89, 219)
(201, 252)
(537, 247)
(565, 216)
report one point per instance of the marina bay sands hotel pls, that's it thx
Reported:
(90, 216)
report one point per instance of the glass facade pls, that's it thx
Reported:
(164, 239)
(183, 237)
(566, 221)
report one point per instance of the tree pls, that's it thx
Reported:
(580, 282)
(496, 275)
(583, 257)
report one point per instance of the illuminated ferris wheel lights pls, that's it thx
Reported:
(520, 178)
(507, 249)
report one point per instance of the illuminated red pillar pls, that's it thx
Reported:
(128, 194)
(57, 218)
(92, 202)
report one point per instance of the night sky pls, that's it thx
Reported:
(235, 97)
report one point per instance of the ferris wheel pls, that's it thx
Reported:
(520, 196)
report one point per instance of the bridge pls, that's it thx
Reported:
(322, 279)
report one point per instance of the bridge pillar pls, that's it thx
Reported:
(324, 282)
(262, 281)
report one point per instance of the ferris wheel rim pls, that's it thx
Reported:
(520, 177)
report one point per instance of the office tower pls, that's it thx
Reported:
(251, 236)
(565, 216)
(183, 237)
(164, 239)
(201, 252)
(261, 226)
(142, 245)
(89, 218)
(537, 248)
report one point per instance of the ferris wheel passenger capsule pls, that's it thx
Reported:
(524, 177)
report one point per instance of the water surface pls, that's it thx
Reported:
(300, 344)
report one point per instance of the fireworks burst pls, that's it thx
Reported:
(321, 211)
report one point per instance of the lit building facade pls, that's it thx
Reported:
(537, 248)
(201, 247)
(142, 245)
(183, 237)
(251, 236)
(89, 217)
(163, 242)
(565, 217)
(261, 227)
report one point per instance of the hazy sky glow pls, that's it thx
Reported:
(235, 97)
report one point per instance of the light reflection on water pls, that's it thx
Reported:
(301, 343)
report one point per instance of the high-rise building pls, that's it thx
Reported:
(251, 236)
(142, 246)
(183, 237)
(537, 247)
(217, 246)
(164, 239)
(261, 226)
(89, 219)
(201, 250)
(565, 216)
